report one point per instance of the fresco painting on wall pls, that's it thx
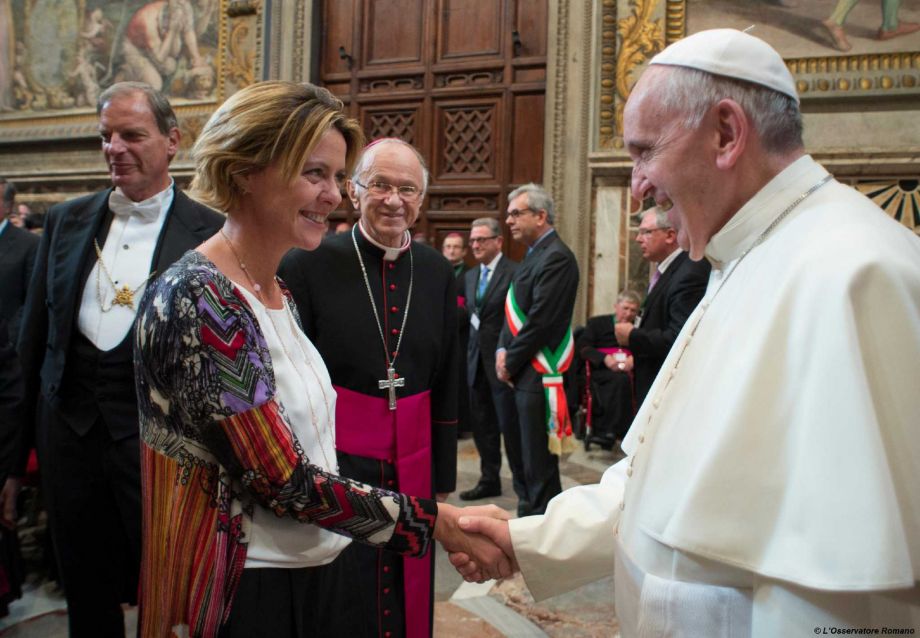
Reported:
(815, 28)
(58, 55)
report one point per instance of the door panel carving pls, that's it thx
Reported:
(461, 80)
(387, 121)
(466, 139)
(469, 28)
(394, 32)
(526, 139)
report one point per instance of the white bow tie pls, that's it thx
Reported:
(147, 210)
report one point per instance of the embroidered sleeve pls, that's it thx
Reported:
(208, 362)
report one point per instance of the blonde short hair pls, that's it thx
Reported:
(266, 123)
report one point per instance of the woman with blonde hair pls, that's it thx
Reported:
(237, 409)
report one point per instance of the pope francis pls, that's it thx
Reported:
(770, 483)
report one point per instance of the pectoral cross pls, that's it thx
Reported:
(390, 384)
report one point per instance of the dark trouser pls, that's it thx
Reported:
(92, 491)
(486, 430)
(541, 468)
(294, 603)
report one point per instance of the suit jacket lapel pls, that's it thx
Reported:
(495, 282)
(183, 226)
(663, 281)
(73, 251)
(537, 252)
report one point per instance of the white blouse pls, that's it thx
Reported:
(303, 385)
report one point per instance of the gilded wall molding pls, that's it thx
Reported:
(559, 97)
(641, 35)
(300, 73)
(834, 76)
(607, 78)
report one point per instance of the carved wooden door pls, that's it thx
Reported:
(462, 80)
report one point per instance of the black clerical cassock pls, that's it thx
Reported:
(412, 448)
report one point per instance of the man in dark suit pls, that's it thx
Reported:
(491, 401)
(96, 256)
(677, 285)
(17, 256)
(544, 290)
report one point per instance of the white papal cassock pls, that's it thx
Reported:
(771, 480)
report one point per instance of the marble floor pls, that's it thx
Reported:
(462, 610)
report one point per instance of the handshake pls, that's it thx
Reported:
(478, 541)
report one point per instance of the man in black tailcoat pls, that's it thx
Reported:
(97, 254)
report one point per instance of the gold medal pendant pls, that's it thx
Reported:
(124, 297)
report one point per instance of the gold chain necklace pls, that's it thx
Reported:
(124, 296)
(306, 357)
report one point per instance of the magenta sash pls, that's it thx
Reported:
(365, 426)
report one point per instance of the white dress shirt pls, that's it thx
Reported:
(128, 256)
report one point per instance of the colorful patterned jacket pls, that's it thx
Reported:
(216, 444)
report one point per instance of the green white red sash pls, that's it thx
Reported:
(550, 364)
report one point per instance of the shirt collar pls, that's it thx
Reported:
(540, 239)
(389, 253)
(667, 261)
(492, 264)
(745, 226)
(4, 224)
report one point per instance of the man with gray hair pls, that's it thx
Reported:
(382, 311)
(769, 487)
(96, 256)
(535, 346)
(492, 402)
(676, 287)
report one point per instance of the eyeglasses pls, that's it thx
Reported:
(514, 214)
(481, 240)
(648, 231)
(383, 189)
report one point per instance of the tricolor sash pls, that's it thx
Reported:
(550, 364)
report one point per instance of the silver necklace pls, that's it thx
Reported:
(391, 382)
(313, 416)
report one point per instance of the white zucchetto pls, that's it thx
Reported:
(731, 53)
